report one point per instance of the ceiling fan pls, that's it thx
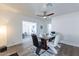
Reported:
(45, 13)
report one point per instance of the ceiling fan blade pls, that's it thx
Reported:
(50, 14)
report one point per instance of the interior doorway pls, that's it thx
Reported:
(27, 29)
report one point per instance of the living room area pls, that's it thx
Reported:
(39, 29)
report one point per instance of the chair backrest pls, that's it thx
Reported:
(56, 41)
(53, 32)
(44, 44)
(35, 40)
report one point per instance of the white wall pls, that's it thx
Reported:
(15, 27)
(68, 26)
(13, 30)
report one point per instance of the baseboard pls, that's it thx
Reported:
(71, 43)
(14, 44)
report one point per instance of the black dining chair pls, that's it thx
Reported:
(39, 45)
(52, 38)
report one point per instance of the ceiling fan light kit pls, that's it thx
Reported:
(45, 13)
(44, 17)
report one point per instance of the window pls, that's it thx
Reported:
(29, 27)
(49, 28)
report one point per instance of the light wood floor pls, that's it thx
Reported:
(26, 49)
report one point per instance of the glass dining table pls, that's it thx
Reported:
(46, 37)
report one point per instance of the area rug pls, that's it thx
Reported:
(31, 52)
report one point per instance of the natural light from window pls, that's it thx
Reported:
(49, 28)
(29, 27)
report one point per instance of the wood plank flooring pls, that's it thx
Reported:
(68, 50)
(26, 49)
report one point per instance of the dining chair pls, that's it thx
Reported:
(53, 33)
(55, 44)
(39, 45)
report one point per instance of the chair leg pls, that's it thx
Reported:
(49, 52)
(37, 51)
(55, 51)
(58, 46)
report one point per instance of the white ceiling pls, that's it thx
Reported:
(31, 9)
